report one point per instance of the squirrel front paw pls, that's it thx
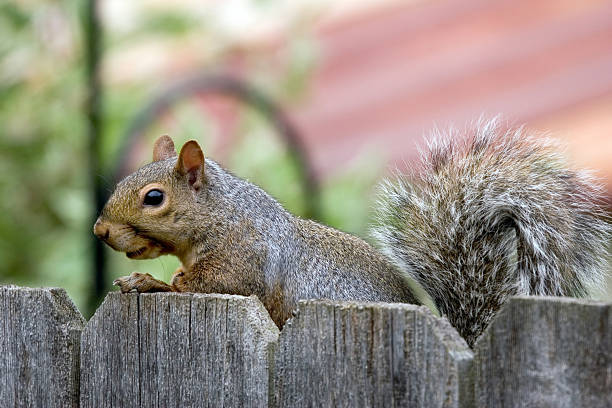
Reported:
(141, 283)
(177, 276)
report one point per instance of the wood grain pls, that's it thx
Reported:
(177, 350)
(546, 352)
(40, 331)
(346, 354)
(193, 350)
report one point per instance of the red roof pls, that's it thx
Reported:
(387, 77)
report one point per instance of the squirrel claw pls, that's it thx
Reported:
(141, 283)
(135, 282)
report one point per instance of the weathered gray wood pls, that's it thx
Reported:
(346, 354)
(177, 350)
(546, 352)
(40, 332)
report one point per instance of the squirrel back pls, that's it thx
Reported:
(492, 214)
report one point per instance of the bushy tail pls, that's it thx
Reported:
(494, 213)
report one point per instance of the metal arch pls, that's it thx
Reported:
(225, 84)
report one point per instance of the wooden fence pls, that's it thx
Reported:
(188, 350)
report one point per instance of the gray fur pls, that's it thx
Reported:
(299, 258)
(308, 260)
(493, 213)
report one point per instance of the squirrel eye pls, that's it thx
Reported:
(153, 198)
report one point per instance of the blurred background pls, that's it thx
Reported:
(313, 100)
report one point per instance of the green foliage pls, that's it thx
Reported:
(47, 212)
(168, 23)
(45, 203)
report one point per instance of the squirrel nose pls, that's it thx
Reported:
(101, 230)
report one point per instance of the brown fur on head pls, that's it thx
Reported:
(148, 207)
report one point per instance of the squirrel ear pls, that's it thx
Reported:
(163, 148)
(191, 164)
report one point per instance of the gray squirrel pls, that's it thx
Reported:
(492, 213)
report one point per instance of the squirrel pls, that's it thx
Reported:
(492, 213)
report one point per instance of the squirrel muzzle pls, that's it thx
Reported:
(101, 230)
(124, 238)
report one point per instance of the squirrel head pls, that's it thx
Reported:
(151, 210)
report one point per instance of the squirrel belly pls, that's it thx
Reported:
(492, 214)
